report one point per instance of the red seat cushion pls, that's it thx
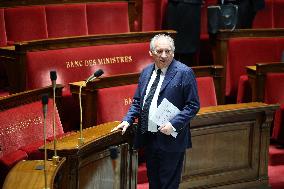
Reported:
(206, 91)
(3, 38)
(25, 23)
(32, 150)
(12, 158)
(66, 20)
(116, 108)
(107, 17)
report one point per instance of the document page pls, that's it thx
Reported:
(165, 112)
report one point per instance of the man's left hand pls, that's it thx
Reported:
(167, 128)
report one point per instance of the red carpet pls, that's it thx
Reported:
(276, 167)
(275, 170)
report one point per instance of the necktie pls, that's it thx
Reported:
(147, 103)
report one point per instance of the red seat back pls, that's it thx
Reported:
(278, 13)
(274, 88)
(264, 17)
(3, 38)
(107, 17)
(153, 14)
(206, 91)
(23, 125)
(66, 20)
(25, 23)
(244, 52)
(114, 102)
(76, 64)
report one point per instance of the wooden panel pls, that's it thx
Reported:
(230, 147)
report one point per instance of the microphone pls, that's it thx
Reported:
(44, 101)
(53, 77)
(97, 74)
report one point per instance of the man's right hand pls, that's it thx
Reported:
(123, 125)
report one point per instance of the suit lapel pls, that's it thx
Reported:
(171, 72)
(148, 73)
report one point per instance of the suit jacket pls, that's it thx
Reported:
(179, 87)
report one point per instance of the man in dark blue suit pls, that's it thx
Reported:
(164, 144)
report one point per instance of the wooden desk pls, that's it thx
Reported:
(29, 174)
(230, 147)
(89, 165)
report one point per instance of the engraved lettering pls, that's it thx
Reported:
(98, 61)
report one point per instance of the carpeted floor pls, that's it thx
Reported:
(276, 166)
(275, 169)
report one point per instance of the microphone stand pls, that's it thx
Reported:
(45, 98)
(55, 157)
(81, 139)
(98, 73)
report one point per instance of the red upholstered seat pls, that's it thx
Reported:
(264, 17)
(114, 102)
(206, 91)
(244, 52)
(66, 20)
(107, 17)
(23, 125)
(244, 90)
(274, 93)
(153, 14)
(3, 38)
(25, 23)
(278, 13)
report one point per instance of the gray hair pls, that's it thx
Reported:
(167, 37)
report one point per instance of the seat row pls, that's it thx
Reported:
(24, 23)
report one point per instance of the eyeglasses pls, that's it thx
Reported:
(160, 52)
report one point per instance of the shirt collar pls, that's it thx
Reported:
(163, 70)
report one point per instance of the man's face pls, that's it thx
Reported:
(163, 54)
